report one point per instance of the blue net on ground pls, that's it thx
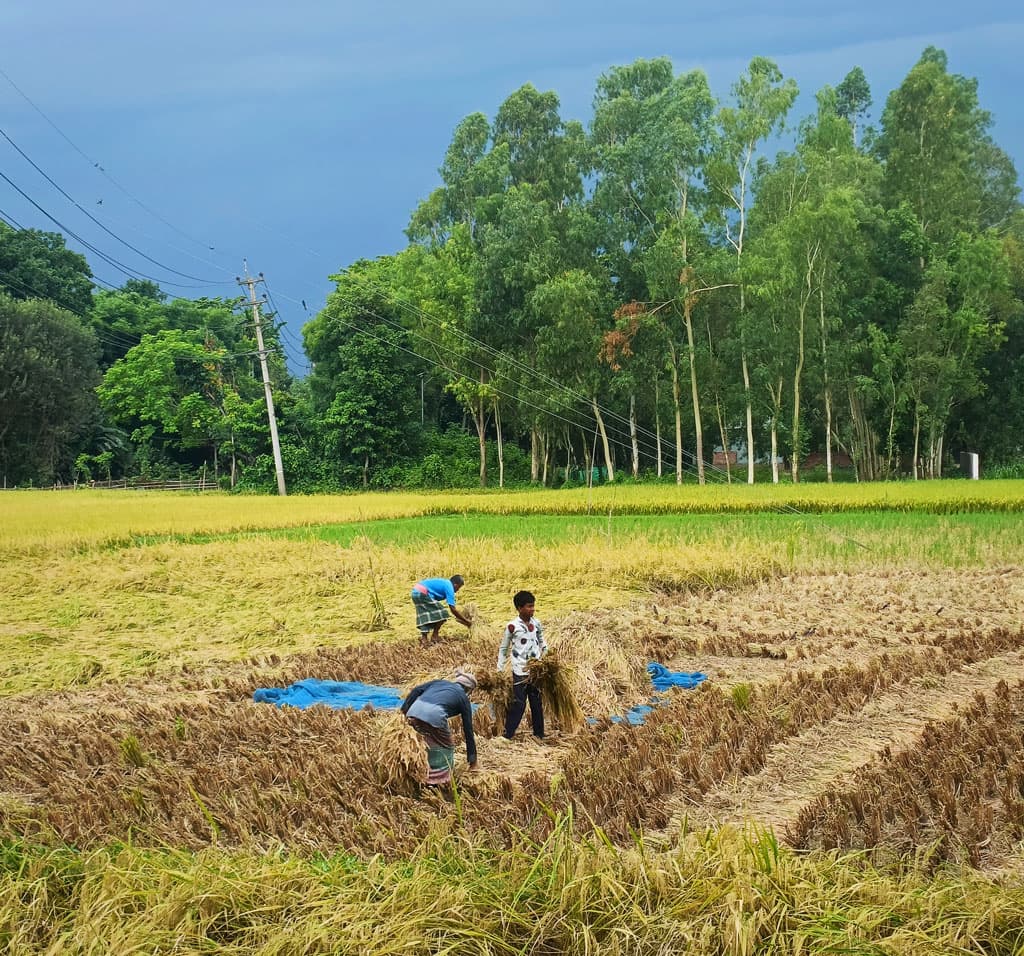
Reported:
(339, 694)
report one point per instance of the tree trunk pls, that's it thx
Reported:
(609, 462)
(750, 419)
(657, 422)
(775, 451)
(366, 471)
(679, 416)
(501, 446)
(776, 393)
(725, 440)
(828, 435)
(480, 419)
(534, 454)
(568, 454)
(864, 446)
(917, 437)
(234, 462)
(827, 385)
(632, 436)
(546, 441)
(699, 431)
(795, 461)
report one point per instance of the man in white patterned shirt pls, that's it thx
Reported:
(522, 642)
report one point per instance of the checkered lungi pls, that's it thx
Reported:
(428, 611)
(440, 751)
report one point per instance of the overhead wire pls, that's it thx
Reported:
(287, 337)
(717, 475)
(97, 166)
(616, 433)
(120, 266)
(92, 218)
(111, 337)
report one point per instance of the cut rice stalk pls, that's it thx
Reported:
(554, 678)
(402, 760)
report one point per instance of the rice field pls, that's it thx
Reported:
(848, 779)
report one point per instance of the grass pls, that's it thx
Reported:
(730, 893)
(70, 520)
(108, 614)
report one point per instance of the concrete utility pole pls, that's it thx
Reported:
(250, 283)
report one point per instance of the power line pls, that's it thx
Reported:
(120, 266)
(92, 218)
(100, 168)
(288, 336)
(617, 434)
(11, 221)
(111, 337)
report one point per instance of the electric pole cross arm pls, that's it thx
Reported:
(250, 283)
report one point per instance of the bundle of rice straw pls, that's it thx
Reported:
(472, 614)
(496, 689)
(401, 763)
(554, 677)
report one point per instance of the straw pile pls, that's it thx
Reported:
(555, 678)
(606, 669)
(402, 763)
(496, 689)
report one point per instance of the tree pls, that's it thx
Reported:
(853, 99)
(938, 154)
(362, 384)
(762, 101)
(38, 265)
(570, 344)
(992, 421)
(947, 332)
(122, 317)
(810, 214)
(171, 390)
(47, 374)
(652, 133)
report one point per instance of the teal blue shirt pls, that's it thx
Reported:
(440, 589)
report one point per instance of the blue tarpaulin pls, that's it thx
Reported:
(355, 695)
(339, 694)
(663, 679)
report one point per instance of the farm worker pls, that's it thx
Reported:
(428, 708)
(522, 642)
(433, 598)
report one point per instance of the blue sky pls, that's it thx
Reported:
(301, 135)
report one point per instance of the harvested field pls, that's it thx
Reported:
(852, 707)
(191, 761)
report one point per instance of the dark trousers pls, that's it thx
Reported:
(523, 690)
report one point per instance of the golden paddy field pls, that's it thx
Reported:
(850, 778)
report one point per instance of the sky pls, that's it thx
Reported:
(300, 136)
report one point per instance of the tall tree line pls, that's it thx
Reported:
(681, 274)
(654, 285)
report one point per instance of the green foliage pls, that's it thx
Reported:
(47, 373)
(576, 292)
(362, 386)
(37, 265)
